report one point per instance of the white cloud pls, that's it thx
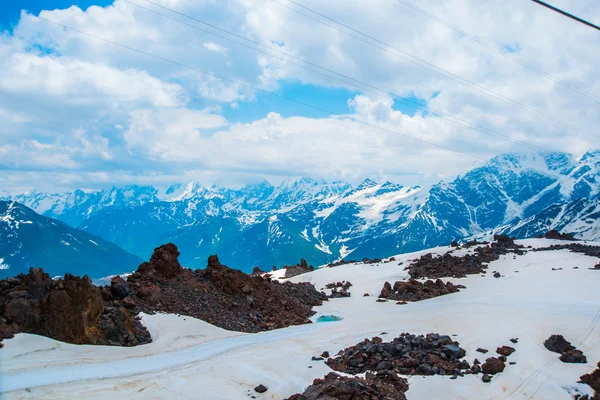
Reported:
(76, 105)
(212, 46)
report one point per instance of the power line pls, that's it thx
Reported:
(495, 49)
(407, 101)
(427, 65)
(558, 10)
(252, 87)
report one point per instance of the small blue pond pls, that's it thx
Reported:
(329, 318)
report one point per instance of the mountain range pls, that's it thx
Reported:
(28, 239)
(263, 225)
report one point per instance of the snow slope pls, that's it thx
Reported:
(191, 359)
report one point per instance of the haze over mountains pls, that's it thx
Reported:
(263, 225)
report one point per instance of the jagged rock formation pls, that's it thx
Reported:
(593, 381)
(415, 291)
(380, 386)
(225, 297)
(70, 310)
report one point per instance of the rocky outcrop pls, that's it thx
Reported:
(70, 310)
(593, 381)
(382, 385)
(568, 352)
(554, 234)
(75, 311)
(415, 291)
(298, 269)
(407, 354)
(447, 265)
(222, 296)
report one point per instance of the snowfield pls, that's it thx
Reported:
(191, 359)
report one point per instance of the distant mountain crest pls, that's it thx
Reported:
(264, 224)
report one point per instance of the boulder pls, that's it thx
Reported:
(493, 366)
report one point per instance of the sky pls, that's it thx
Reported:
(231, 92)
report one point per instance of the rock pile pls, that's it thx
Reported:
(70, 310)
(407, 354)
(380, 386)
(339, 289)
(220, 295)
(568, 352)
(415, 291)
(447, 265)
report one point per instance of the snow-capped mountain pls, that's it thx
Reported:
(28, 239)
(265, 225)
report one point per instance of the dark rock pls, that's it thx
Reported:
(493, 366)
(261, 389)
(325, 354)
(497, 275)
(448, 265)
(317, 359)
(480, 350)
(119, 288)
(554, 234)
(383, 385)
(70, 310)
(593, 381)
(486, 378)
(573, 357)
(505, 351)
(415, 291)
(407, 354)
(558, 344)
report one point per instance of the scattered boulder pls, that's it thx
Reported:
(558, 344)
(261, 388)
(480, 350)
(493, 366)
(505, 351)
(486, 378)
(573, 357)
(568, 352)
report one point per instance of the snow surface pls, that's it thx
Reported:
(191, 359)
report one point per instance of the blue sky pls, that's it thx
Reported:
(80, 113)
(11, 10)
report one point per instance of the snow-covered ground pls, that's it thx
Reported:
(191, 359)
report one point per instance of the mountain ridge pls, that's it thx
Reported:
(265, 225)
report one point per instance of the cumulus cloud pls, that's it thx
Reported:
(96, 113)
